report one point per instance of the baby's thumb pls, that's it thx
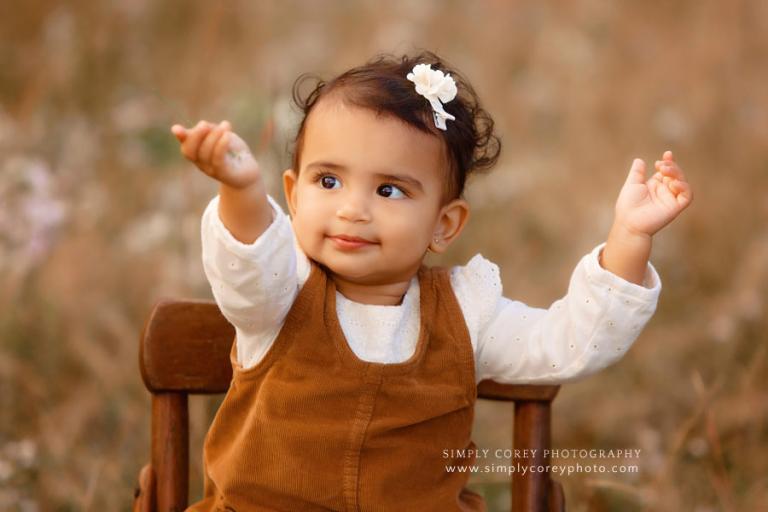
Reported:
(636, 172)
(180, 132)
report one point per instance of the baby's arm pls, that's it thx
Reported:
(589, 328)
(255, 284)
(254, 272)
(612, 294)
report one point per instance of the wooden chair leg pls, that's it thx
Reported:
(532, 432)
(556, 497)
(170, 450)
(144, 496)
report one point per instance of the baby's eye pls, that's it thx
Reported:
(390, 189)
(327, 181)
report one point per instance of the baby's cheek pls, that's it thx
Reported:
(311, 207)
(414, 227)
(407, 240)
(306, 232)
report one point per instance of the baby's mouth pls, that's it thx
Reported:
(347, 242)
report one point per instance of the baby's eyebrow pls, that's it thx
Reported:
(404, 178)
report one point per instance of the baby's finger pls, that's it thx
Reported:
(206, 129)
(668, 156)
(672, 169)
(682, 191)
(220, 150)
(190, 146)
(179, 132)
(666, 168)
(206, 148)
(665, 195)
(636, 172)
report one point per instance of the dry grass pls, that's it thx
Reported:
(99, 215)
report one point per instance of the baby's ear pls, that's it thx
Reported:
(290, 182)
(452, 219)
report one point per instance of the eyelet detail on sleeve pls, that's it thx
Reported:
(478, 288)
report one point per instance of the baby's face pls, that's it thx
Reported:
(342, 189)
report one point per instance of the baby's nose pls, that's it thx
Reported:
(354, 210)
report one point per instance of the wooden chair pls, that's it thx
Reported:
(184, 349)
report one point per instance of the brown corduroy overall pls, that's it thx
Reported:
(312, 427)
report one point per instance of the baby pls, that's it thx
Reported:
(355, 365)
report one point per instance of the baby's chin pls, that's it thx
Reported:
(367, 276)
(360, 274)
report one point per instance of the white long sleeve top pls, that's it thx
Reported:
(589, 328)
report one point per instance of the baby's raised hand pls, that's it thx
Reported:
(644, 207)
(218, 152)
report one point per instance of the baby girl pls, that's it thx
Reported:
(355, 365)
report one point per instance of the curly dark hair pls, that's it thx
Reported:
(381, 86)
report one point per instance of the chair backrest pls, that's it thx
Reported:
(184, 349)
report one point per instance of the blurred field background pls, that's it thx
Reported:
(99, 216)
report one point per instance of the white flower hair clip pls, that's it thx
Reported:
(436, 87)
